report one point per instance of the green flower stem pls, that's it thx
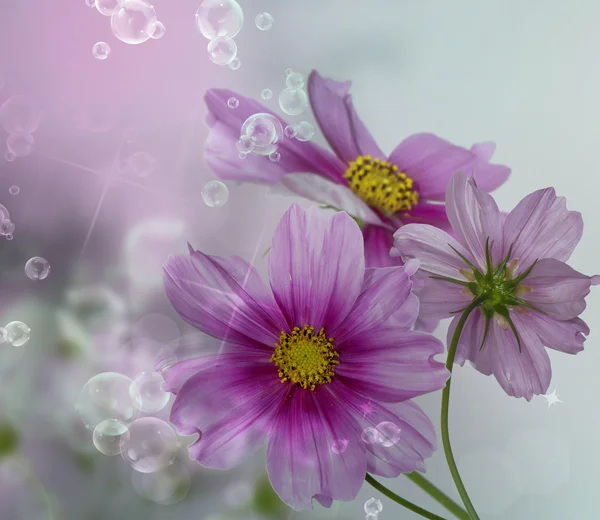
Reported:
(437, 494)
(399, 500)
(445, 409)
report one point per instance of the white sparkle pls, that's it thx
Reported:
(552, 399)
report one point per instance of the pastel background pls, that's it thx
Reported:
(523, 74)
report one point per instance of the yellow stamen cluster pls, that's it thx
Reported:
(305, 358)
(380, 185)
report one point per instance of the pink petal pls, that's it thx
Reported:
(378, 242)
(222, 156)
(391, 365)
(223, 297)
(316, 267)
(431, 246)
(470, 342)
(540, 226)
(431, 161)
(565, 336)
(557, 289)
(439, 299)
(433, 214)
(407, 314)
(485, 150)
(333, 109)
(232, 407)
(300, 460)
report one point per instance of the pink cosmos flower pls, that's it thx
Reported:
(514, 268)
(383, 191)
(306, 364)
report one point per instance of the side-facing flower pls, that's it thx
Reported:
(383, 191)
(307, 363)
(513, 272)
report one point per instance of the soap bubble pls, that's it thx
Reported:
(293, 101)
(3, 335)
(266, 93)
(389, 433)
(20, 145)
(106, 396)
(157, 30)
(369, 435)
(4, 214)
(9, 156)
(107, 7)
(90, 3)
(37, 268)
(6, 227)
(235, 63)
(133, 21)
(339, 446)
(373, 506)
(233, 102)
(215, 194)
(294, 80)
(166, 486)
(152, 445)
(17, 333)
(265, 130)
(110, 437)
(14, 190)
(18, 115)
(245, 144)
(274, 156)
(304, 131)
(288, 71)
(147, 391)
(142, 164)
(263, 21)
(219, 19)
(101, 50)
(290, 131)
(222, 52)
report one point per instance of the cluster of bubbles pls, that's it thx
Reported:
(215, 194)
(373, 507)
(7, 226)
(293, 100)
(260, 135)
(220, 21)
(37, 268)
(16, 333)
(132, 22)
(385, 433)
(20, 118)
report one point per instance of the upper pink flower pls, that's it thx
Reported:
(384, 191)
(306, 364)
(528, 297)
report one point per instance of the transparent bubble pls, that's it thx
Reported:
(274, 156)
(265, 130)
(373, 506)
(389, 433)
(133, 21)
(215, 194)
(106, 396)
(20, 145)
(288, 72)
(233, 102)
(304, 131)
(242, 155)
(18, 115)
(14, 190)
(90, 3)
(147, 391)
(245, 144)
(369, 435)
(101, 50)
(107, 7)
(17, 333)
(9, 236)
(110, 437)
(222, 52)
(290, 131)
(142, 164)
(339, 446)
(264, 21)
(152, 445)
(9, 156)
(266, 93)
(219, 19)
(235, 63)
(371, 516)
(293, 101)
(166, 486)
(4, 214)
(37, 268)
(157, 30)
(294, 80)
(6, 227)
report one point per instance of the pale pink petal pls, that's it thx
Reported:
(378, 242)
(433, 214)
(565, 336)
(485, 150)
(469, 344)
(440, 299)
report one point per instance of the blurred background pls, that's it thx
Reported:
(102, 177)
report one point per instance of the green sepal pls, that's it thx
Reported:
(476, 272)
(503, 311)
(488, 314)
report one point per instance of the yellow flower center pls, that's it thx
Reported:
(305, 358)
(380, 185)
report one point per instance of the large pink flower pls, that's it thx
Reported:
(514, 268)
(384, 191)
(307, 363)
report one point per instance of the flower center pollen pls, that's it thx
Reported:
(305, 358)
(380, 185)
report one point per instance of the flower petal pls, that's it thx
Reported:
(222, 155)
(223, 297)
(316, 266)
(440, 299)
(390, 364)
(378, 242)
(300, 460)
(475, 217)
(408, 313)
(431, 161)
(232, 408)
(431, 246)
(485, 150)
(557, 289)
(565, 336)
(428, 213)
(469, 343)
(540, 226)
(333, 109)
